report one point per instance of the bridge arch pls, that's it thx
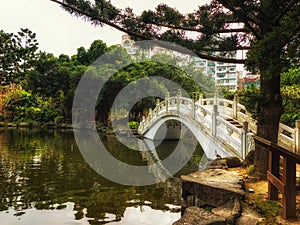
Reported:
(164, 128)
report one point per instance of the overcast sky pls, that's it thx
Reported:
(58, 32)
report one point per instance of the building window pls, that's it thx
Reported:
(231, 75)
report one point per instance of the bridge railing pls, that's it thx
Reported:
(204, 116)
(231, 135)
(202, 111)
(232, 109)
(287, 137)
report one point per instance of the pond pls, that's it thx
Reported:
(44, 179)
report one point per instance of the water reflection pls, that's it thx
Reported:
(44, 180)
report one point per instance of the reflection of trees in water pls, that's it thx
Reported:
(42, 168)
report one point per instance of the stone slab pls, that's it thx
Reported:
(213, 187)
(198, 216)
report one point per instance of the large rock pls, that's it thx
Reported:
(230, 211)
(198, 216)
(249, 216)
(213, 187)
(223, 163)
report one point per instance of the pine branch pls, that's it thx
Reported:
(143, 37)
(292, 34)
(283, 12)
(244, 17)
(232, 30)
(101, 20)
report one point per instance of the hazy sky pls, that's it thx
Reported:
(58, 32)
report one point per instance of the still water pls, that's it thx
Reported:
(45, 180)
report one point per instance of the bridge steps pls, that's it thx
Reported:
(235, 123)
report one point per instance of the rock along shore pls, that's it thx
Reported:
(215, 196)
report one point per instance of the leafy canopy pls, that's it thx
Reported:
(248, 25)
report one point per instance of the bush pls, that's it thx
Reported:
(251, 170)
(133, 125)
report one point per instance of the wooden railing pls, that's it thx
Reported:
(281, 176)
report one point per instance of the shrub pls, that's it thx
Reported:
(133, 125)
(251, 170)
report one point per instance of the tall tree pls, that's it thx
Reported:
(269, 29)
(17, 55)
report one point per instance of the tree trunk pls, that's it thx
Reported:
(269, 112)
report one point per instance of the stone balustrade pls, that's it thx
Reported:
(213, 115)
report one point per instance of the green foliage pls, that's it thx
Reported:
(17, 55)
(131, 73)
(22, 106)
(47, 90)
(249, 97)
(208, 208)
(133, 125)
(48, 77)
(269, 209)
(228, 94)
(291, 77)
(290, 90)
(251, 170)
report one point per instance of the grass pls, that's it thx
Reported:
(268, 209)
(250, 170)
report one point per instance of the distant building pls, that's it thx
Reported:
(249, 79)
(224, 74)
(128, 44)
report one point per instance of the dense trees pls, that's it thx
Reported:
(44, 93)
(269, 29)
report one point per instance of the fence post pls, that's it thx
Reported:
(235, 106)
(214, 120)
(297, 137)
(167, 101)
(244, 139)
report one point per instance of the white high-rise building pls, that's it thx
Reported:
(224, 74)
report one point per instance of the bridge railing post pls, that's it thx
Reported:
(216, 97)
(194, 102)
(244, 143)
(235, 107)
(150, 114)
(201, 99)
(147, 121)
(157, 106)
(178, 100)
(167, 102)
(214, 120)
(297, 137)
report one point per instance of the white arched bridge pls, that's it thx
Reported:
(222, 127)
